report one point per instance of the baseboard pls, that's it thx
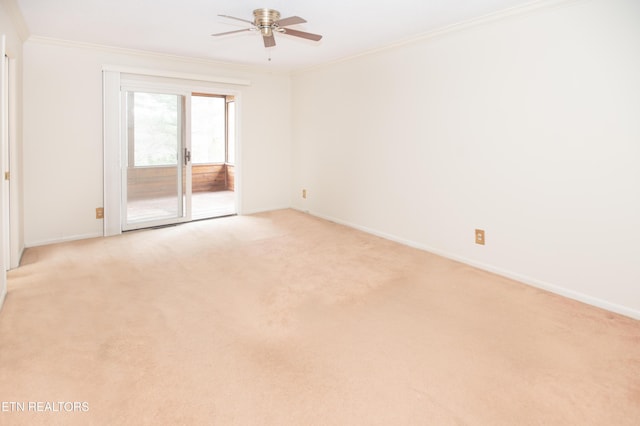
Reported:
(62, 239)
(261, 210)
(17, 263)
(21, 255)
(553, 288)
(3, 295)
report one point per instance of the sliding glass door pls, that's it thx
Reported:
(155, 158)
(160, 185)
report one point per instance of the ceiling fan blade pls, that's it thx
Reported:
(269, 41)
(231, 32)
(292, 20)
(308, 36)
(237, 19)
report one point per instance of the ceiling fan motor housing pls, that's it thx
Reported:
(266, 19)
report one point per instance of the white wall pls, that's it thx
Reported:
(527, 127)
(63, 167)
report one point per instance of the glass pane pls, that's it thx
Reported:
(154, 141)
(156, 130)
(207, 129)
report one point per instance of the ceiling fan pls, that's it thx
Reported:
(268, 21)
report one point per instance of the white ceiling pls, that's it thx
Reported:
(183, 27)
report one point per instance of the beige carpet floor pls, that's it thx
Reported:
(285, 319)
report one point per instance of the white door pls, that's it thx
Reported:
(156, 166)
(4, 134)
(5, 175)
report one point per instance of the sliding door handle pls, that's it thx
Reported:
(187, 156)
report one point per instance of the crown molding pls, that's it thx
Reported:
(515, 11)
(15, 15)
(231, 66)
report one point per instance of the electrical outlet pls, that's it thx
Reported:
(100, 213)
(304, 193)
(480, 236)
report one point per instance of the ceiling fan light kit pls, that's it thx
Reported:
(268, 21)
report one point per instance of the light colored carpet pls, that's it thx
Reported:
(281, 318)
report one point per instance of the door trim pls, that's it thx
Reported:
(112, 81)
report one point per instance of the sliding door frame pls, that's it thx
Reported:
(116, 76)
